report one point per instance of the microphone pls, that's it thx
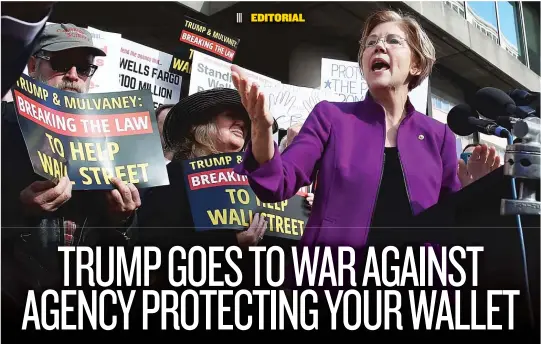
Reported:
(506, 121)
(463, 121)
(493, 103)
(523, 97)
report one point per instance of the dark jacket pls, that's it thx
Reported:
(30, 258)
(21, 29)
(165, 218)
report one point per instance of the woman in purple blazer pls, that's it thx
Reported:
(379, 161)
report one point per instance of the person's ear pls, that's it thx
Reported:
(32, 65)
(415, 68)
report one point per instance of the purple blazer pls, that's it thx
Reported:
(344, 143)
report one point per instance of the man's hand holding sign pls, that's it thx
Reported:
(122, 201)
(46, 196)
(50, 195)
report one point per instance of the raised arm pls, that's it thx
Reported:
(273, 176)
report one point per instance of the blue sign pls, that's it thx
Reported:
(221, 199)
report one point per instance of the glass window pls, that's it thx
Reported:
(483, 15)
(457, 6)
(437, 103)
(446, 106)
(441, 104)
(531, 25)
(510, 27)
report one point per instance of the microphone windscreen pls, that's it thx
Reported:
(524, 98)
(457, 120)
(492, 102)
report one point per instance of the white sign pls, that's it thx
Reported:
(106, 77)
(142, 67)
(291, 105)
(209, 72)
(419, 97)
(344, 79)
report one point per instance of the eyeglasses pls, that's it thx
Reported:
(391, 41)
(63, 65)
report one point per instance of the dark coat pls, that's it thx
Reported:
(30, 257)
(165, 219)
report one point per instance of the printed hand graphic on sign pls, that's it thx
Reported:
(311, 102)
(280, 106)
(296, 119)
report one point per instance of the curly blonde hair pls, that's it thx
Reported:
(424, 53)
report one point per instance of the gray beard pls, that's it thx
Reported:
(63, 85)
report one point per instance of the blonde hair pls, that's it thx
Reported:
(200, 141)
(422, 48)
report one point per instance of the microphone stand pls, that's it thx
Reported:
(522, 163)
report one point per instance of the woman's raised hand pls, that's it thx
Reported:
(252, 99)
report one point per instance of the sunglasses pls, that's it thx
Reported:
(63, 65)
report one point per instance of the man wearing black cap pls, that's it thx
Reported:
(39, 215)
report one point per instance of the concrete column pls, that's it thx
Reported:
(305, 63)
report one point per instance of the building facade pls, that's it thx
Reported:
(478, 43)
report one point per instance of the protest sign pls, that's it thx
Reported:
(221, 199)
(419, 97)
(90, 137)
(209, 72)
(142, 67)
(196, 35)
(291, 104)
(345, 79)
(106, 77)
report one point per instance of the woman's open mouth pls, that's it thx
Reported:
(379, 65)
